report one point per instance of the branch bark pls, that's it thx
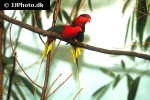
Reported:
(1, 66)
(89, 47)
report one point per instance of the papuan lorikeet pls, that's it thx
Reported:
(66, 31)
(79, 21)
(76, 51)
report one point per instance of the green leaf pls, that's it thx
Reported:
(133, 89)
(14, 95)
(141, 19)
(127, 31)
(78, 4)
(20, 92)
(66, 16)
(117, 79)
(37, 18)
(125, 5)
(123, 65)
(48, 12)
(108, 72)
(90, 5)
(147, 41)
(60, 16)
(129, 81)
(26, 82)
(6, 60)
(101, 91)
(131, 58)
(134, 46)
(132, 25)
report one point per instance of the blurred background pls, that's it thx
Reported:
(115, 25)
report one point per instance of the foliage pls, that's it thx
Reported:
(135, 32)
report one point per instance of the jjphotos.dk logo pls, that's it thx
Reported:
(16, 5)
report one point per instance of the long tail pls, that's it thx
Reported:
(76, 51)
(47, 49)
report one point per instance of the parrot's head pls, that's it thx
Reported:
(81, 20)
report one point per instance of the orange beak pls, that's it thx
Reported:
(89, 20)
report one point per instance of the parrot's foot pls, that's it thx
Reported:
(83, 43)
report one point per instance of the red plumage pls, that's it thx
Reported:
(81, 21)
(69, 32)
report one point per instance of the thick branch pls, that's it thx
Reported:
(92, 48)
(29, 27)
(1, 66)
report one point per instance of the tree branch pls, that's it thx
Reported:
(1, 65)
(55, 35)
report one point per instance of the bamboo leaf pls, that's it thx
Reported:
(147, 41)
(37, 18)
(129, 81)
(20, 92)
(90, 5)
(134, 46)
(60, 16)
(141, 19)
(48, 12)
(133, 89)
(123, 65)
(101, 91)
(26, 83)
(14, 95)
(125, 6)
(127, 31)
(108, 72)
(132, 25)
(66, 16)
(6, 60)
(117, 79)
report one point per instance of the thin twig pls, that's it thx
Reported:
(55, 51)
(60, 85)
(77, 93)
(19, 63)
(35, 25)
(52, 85)
(77, 11)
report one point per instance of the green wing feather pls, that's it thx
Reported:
(58, 29)
(47, 47)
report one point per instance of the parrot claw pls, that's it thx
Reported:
(83, 43)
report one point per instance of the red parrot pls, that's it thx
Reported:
(76, 51)
(66, 31)
(79, 21)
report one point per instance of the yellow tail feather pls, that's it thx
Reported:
(76, 51)
(47, 48)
